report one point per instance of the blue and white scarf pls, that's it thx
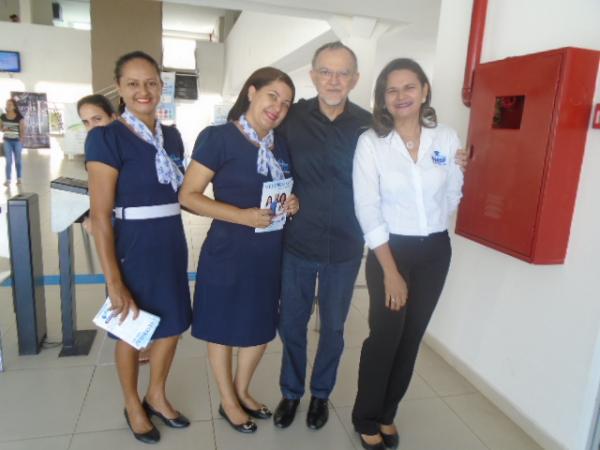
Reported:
(166, 169)
(265, 160)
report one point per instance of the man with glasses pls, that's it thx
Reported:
(324, 240)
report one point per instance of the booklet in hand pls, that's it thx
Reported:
(136, 333)
(274, 195)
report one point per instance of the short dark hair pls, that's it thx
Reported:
(97, 100)
(138, 54)
(258, 79)
(383, 122)
(336, 45)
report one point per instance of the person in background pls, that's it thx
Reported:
(406, 185)
(239, 270)
(97, 111)
(139, 236)
(12, 124)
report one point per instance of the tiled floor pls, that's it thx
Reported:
(75, 403)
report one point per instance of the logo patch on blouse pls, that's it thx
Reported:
(439, 159)
(285, 167)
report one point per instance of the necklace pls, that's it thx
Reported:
(411, 143)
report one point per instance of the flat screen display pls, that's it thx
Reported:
(10, 61)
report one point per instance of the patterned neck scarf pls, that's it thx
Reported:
(166, 170)
(265, 160)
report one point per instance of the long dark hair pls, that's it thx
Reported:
(259, 79)
(18, 114)
(383, 122)
(97, 100)
(124, 59)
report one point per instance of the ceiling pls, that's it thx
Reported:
(401, 11)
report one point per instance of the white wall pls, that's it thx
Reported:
(259, 39)
(407, 42)
(526, 335)
(53, 60)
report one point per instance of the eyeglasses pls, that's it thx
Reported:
(327, 74)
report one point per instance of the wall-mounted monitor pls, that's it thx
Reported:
(10, 61)
(186, 86)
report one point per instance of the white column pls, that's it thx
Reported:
(25, 11)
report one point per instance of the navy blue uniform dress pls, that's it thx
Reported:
(152, 253)
(236, 299)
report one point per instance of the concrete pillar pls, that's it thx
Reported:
(226, 23)
(118, 27)
(24, 11)
(41, 12)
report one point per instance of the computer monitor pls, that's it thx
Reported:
(10, 61)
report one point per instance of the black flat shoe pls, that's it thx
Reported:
(178, 422)
(318, 413)
(367, 446)
(246, 427)
(261, 413)
(285, 412)
(149, 437)
(390, 440)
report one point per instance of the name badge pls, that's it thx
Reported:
(439, 159)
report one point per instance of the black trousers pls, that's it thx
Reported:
(389, 353)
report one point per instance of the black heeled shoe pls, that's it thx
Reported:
(261, 413)
(149, 437)
(367, 446)
(178, 422)
(246, 427)
(390, 440)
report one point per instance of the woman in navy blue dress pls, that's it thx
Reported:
(134, 167)
(238, 280)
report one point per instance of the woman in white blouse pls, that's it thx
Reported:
(406, 186)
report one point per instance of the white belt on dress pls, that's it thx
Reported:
(147, 212)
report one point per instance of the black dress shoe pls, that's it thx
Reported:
(318, 413)
(246, 427)
(178, 422)
(261, 413)
(285, 412)
(367, 446)
(390, 440)
(149, 437)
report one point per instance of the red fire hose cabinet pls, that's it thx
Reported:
(529, 120)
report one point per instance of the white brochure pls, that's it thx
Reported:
(274, 194)
(136, 333)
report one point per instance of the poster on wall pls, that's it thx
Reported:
(74, 131)
(34, 109)
(220, 113)
(55, 118)
(166, 109)
(168, 90)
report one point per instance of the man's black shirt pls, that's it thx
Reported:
(325, 229)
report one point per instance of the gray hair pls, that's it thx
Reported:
(336, 45)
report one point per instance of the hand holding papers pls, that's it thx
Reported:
(274, 194)
(136, 333)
